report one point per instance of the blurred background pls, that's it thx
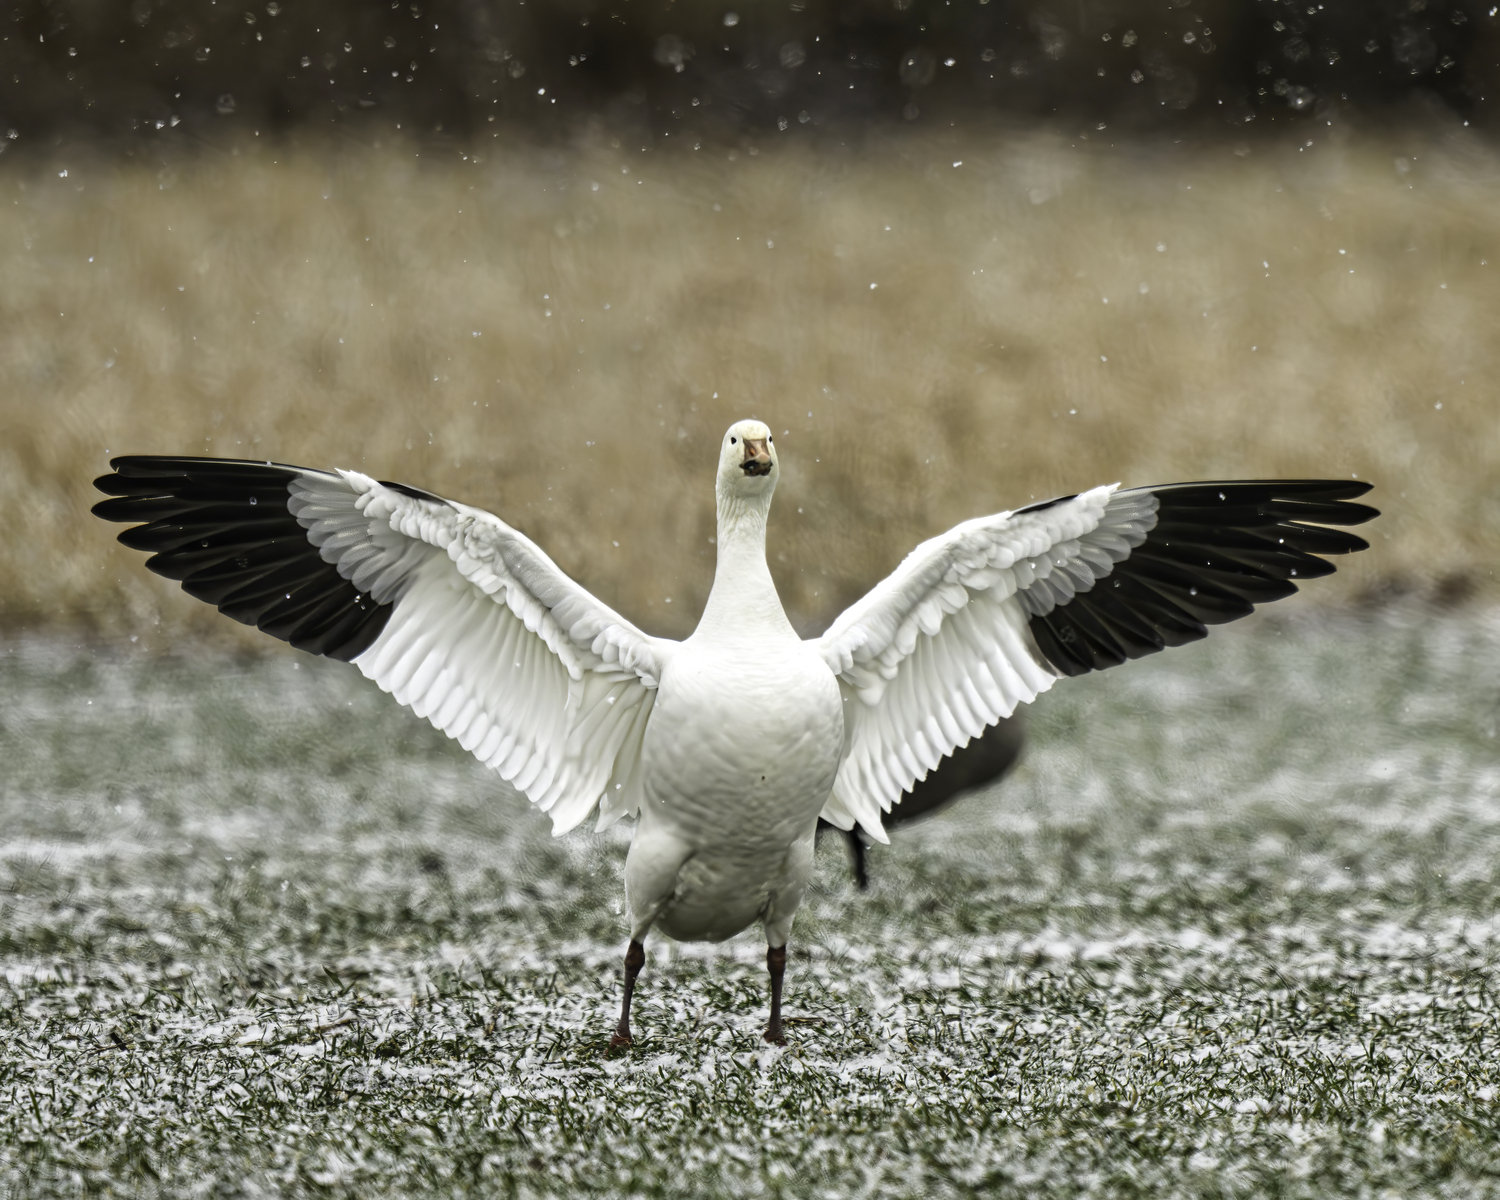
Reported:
(961, 254)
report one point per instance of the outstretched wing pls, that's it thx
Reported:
(991, 613)
(446, 607)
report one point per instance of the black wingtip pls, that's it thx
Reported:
(1217, 549)
(415, 493)
(1233, 491)
(1319, 501)
(223, 528)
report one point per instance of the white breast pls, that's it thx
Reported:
(739, 759)
(743, 745)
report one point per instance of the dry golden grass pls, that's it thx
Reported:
(563, 336)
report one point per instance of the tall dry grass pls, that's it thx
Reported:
(563, 336)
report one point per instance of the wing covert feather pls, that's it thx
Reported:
(494, 645)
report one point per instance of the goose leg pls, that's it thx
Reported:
(857, 855)
(635, 959)
(776, 964)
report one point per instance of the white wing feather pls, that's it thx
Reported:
(941, 648)
(492, 643)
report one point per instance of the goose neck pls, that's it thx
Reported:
(742, 521)
(743, 591)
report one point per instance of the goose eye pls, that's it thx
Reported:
(734, 441)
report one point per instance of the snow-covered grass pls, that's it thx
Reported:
(1232, 929)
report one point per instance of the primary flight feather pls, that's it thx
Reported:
(726, 747)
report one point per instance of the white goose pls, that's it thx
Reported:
(728, 746)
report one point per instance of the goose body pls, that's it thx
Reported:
(727, 747)
(725, 832)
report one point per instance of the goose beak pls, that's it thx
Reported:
(757, 457)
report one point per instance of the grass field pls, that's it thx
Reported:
(936, 326)
(1230, 930)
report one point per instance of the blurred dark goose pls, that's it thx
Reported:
(986, 760)
(729, 746)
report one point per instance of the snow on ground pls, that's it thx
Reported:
(1231, 929)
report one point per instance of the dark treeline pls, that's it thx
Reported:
(134, 68)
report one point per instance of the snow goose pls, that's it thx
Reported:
(728, 746)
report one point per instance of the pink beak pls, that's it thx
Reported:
(757, 457)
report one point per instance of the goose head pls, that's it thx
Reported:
(747, 461)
